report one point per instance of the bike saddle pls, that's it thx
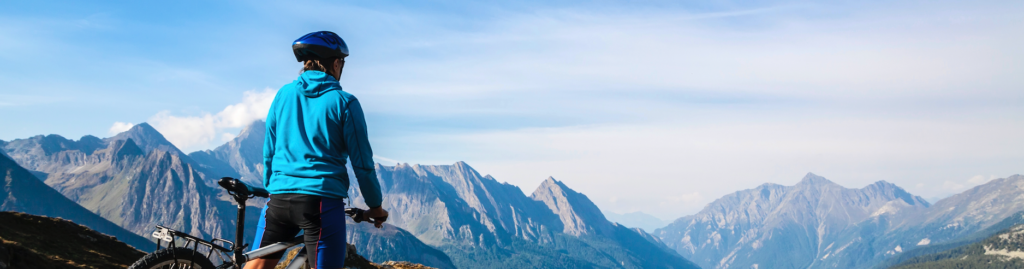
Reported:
(236, 186)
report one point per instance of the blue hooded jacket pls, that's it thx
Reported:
(312, 127)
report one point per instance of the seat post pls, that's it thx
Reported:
(240, 230)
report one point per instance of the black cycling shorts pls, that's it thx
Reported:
(321, 219)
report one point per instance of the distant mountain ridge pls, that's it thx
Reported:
(636, 219)
(775, 226)
(819, 224)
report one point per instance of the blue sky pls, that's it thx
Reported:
(657, 106)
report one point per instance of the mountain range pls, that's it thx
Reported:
(135, 179)
(442, 216)
(820, 224)
(450, 216)
(483, 223)
(138, 185)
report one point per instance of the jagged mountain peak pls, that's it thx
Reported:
(258, 127)
(888, 189)
(815, 180)
(147, 138)
(579, 215)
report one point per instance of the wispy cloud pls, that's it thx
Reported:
(119, 127)
(197, 132)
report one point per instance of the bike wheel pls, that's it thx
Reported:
(173, 258)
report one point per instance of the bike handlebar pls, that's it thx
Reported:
(359, 215)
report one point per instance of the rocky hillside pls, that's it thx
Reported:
(23, 192)
(1003, 250)
(28, 241)
(480, 222)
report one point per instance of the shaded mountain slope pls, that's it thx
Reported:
(28, 241)
(22, 192)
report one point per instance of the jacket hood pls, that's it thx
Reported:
(313, 84)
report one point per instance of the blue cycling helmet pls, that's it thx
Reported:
(319, 45)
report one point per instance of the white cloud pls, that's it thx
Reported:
(227, 137)
(119, 127)
(980, 179)
(385, 160)
(193, 132)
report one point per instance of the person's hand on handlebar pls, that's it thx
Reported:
(378, 215)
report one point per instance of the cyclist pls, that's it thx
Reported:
(312, 127)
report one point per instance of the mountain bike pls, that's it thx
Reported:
(184, 251)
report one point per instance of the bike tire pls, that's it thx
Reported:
(173, 258)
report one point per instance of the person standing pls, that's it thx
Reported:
(312, 128)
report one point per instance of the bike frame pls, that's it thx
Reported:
(238, 256)
(169, 235)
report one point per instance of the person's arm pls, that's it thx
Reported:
(268, 145)
(361, 155)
